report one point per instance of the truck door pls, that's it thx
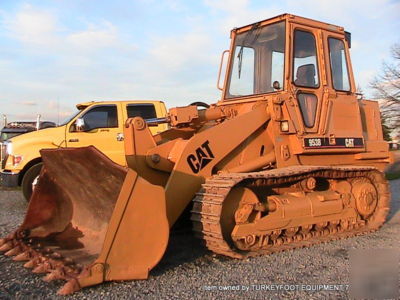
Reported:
(100, 126)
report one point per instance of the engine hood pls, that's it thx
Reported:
(45, 137)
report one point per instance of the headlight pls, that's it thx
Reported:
(9, 148)
(284, 126)
(17, 159)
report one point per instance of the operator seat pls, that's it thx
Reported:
(305, 75)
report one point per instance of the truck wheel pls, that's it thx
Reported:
(29, 178)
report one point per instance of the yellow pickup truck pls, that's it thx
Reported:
(94, 123)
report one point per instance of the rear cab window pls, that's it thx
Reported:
(145, 111)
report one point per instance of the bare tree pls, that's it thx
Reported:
(387, 90)
(360, 92)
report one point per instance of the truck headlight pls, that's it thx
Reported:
(9, 148)
(17, 159)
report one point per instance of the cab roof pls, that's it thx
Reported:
(294, 19)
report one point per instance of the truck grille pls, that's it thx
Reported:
(3, 155)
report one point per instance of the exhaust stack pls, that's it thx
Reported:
(38, 121)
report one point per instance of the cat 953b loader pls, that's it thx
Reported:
(289, 157)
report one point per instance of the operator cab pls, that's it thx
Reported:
(287, 51)
(305, 63)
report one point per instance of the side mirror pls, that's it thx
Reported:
(221, 65)
(80, 125)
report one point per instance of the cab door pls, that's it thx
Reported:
(100, 126)
(307, 76)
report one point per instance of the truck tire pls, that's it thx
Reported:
(28, 179)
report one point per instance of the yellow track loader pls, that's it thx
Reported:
(289, 157)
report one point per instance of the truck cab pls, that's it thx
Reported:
(94, 123)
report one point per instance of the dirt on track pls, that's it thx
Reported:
(189, 271)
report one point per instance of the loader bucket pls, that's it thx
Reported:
(90, 220)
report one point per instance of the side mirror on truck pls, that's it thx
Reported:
(80, 125)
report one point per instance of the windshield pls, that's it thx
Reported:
(8, 135)
(258, 61)
(67, 120)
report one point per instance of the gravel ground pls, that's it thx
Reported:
(188, 271)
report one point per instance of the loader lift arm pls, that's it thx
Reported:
(198, 155)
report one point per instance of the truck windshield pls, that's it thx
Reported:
(258, 59)
(68, 119)
(7, 135)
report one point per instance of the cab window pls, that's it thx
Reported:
(257, 63)
(308, 107)
(242, 83)
(340, 74)
(278, 67)
(146, 111)
(305, 67)
(101, 117)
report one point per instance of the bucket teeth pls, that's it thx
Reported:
(71, 286)
(54, 275)
(23, 256)
(6, 246)
(42, 268)
(31, 264)
(68, 269)
(14, 251)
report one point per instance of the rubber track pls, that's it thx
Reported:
(208, 203)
